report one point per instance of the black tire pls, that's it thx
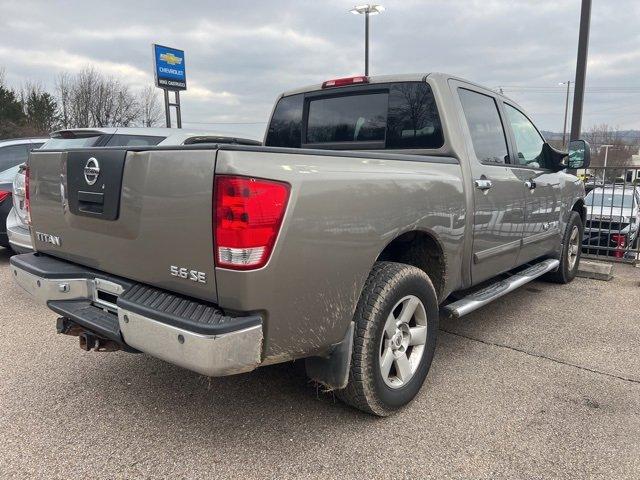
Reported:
(387, 284)
(565, 272)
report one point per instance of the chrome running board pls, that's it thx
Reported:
(488, 294)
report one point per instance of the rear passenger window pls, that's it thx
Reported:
(286, 124)
(413, 120)
(487, 132)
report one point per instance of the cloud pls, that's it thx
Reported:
(240, 54)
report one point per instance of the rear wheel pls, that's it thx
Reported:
(396, 328)
(571, 251)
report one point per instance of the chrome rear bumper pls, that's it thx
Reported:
(213, 350)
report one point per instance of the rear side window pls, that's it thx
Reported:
(413, 120)
(133, 141)
(352, 118)
(285, 129)
(487, 132)
(392, 116)
(13, 155)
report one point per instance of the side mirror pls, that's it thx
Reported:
(579, 154)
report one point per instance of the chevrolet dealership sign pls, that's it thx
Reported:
(169, 68)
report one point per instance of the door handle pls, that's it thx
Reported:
(483, 184)
(530, 184)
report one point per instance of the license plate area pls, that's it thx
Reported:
(105, 295)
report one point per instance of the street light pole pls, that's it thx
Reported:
(367, 10)
(366, 43)
(566, 111)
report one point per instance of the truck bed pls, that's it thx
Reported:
(344, 207)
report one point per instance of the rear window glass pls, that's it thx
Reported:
(62, 143)
(393, 116)
(353, 118)
(133, 141)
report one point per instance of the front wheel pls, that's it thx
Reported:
(396, 324)
(571, 251)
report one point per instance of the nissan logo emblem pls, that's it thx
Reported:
(91, 171)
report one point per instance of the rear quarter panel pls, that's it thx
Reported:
(341, 214)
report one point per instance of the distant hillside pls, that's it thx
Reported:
(630, 137)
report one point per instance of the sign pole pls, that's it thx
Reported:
(178, 110)
(167, 110)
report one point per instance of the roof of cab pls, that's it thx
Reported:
(404, 77)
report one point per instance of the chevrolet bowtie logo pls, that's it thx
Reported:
(170, 58)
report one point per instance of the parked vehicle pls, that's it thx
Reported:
(18, 233)
(613, 216)
(371, 203)
(12, 153)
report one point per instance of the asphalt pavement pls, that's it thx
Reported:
(544, 383)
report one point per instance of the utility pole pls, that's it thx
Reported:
(367, 10)
(581, 70)
(566, 111)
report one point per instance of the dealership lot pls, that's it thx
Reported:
(542, 383)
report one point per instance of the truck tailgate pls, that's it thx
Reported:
(142, 215)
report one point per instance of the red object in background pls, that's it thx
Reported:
(621, 243)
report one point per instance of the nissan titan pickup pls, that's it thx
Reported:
(375, 205)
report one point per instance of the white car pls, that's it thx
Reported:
(19, 236)
(12, 153)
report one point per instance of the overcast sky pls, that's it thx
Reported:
(240, 54)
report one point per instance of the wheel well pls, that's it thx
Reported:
(421, 250)
(581, 209)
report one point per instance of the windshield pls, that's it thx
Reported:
(610, 199)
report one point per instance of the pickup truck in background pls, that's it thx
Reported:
(374, 204)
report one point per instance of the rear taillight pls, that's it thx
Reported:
(27, 202)
(248, 215)
(341, 82)
(4, 195)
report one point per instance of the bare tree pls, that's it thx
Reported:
(150, 110)
(619, 153)
(90, 99)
